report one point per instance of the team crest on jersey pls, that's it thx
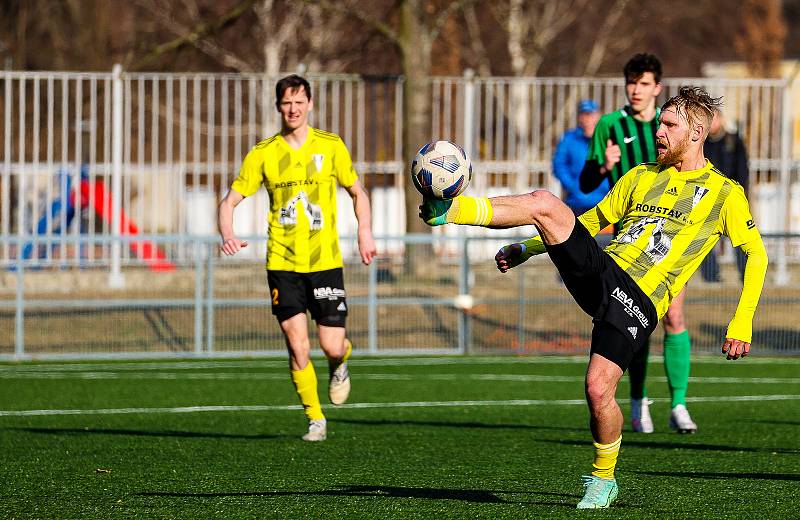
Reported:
(288, 214)
(699, 193)
(318, 160)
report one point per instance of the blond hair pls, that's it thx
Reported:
(695, 104)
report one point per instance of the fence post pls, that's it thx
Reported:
(209, 300)
(198, 299)
(115, 277)
(372, 307)
(469, 112)
(521, 314)
(19, 315)
(464, 332)
(782, 273)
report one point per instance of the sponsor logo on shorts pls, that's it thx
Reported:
(342, 307)
(326, 293)
(633, 331)
(630, 309)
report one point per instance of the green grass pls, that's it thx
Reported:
(492, 460)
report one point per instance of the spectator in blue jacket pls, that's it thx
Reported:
(570, 155)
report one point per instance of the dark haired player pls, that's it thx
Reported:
(300, 167)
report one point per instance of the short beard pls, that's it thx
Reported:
(673, 155)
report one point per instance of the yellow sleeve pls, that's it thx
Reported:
(736, 220)
(613, 206)
(741, 326)
(251, 174)
(608, 211)
(345, 173)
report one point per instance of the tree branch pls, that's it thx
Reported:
(601, 43)
(195, 36)
(357, 13)
(449, 10)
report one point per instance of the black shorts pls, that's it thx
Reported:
(623, 315)
(321, 293)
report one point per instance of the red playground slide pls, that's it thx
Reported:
(145, 250)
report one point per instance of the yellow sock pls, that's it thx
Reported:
(348, 351)
(605, 459)
(305, 382)
(473, 211)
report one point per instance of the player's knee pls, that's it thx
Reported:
(674, 321)
(543, 205)
(598, 390)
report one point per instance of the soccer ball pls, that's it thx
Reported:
(441, 170)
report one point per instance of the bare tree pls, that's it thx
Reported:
(195, 30)
(419, 24)
(761, 38)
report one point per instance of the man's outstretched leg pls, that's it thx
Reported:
(677, 364)
(602, 377)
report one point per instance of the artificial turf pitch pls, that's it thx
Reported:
(460, 437)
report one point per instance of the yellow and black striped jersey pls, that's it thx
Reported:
(302, 190)
(669, 221)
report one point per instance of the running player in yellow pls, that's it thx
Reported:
(671, 213)
(300, 167)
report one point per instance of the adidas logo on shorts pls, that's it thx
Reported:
(633, 331)
(342, 307)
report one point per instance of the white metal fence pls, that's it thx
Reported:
(152, 153)
(209, 305)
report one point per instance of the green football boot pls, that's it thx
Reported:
(599, 492)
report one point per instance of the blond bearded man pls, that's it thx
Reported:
(622, 139)
(672, 213)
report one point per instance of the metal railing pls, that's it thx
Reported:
(157, 150)
(205, 305)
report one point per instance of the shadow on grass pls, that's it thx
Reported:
(783, 423)
(723, 476)
(454, 424)
(145, 433)
(669, 445)
(464, 495)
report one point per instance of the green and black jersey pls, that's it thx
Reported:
(636, 140)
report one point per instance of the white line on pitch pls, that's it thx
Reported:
(413, 404)
(372, 362)
(232, 376)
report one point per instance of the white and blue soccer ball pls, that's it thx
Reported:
(441, 170)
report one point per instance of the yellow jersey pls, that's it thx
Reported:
(669, 221)
(301, 184)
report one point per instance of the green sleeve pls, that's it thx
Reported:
(533, 246)
(597, 148)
